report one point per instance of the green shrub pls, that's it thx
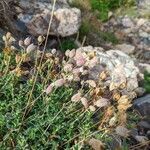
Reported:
(67, 44)
(104, 6)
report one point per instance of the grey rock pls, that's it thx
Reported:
(119, 64)
(36, 16)
(126, 48)
(127, 22)
(143, 3)
(144, 67)
(142, 105)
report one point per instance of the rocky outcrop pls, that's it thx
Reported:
(36, 16)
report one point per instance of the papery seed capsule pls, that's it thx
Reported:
(101, 102)
(116, 95)
(85, 72)
(53, 51)
(17, 58)
(12, 48)
(27, 41)
(56, 60)
(30, 48)
(92, 108)
(67, 53)
(70, 78)
(48, 55)
(92, 83)
(72, 53)
(84, 101)
(93, 62)
(59, 83)
(92, 54)
(21, 43)
(4, 38)
(8, 35)
(76, 97)
(11, 39)
(80, 62)
(49, 89)
(103, 75)
(122, 86)
(68, 67)
(41, 39)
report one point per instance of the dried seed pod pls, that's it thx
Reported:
(76, 97)
(92, 108)
(8, 35)
(72, 53)
(92, 83)
(53, 51)
(122, 85)
(49, 89)
(60, 82)
(27, 41)
(91, 54)
(92, 63)
(41, 39)
(17, 58)
(48, 55)
(102, 102)
(116, 95)
(103, 75)
(68, 67)
(56, 60)
(122, 131)
(84, 101)
(4, 38)
(21, 43)
(67, 53)
(31, 48)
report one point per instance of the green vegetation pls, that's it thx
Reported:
(104, 6)
(67, 44)
(147, 81)
(48, 122)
